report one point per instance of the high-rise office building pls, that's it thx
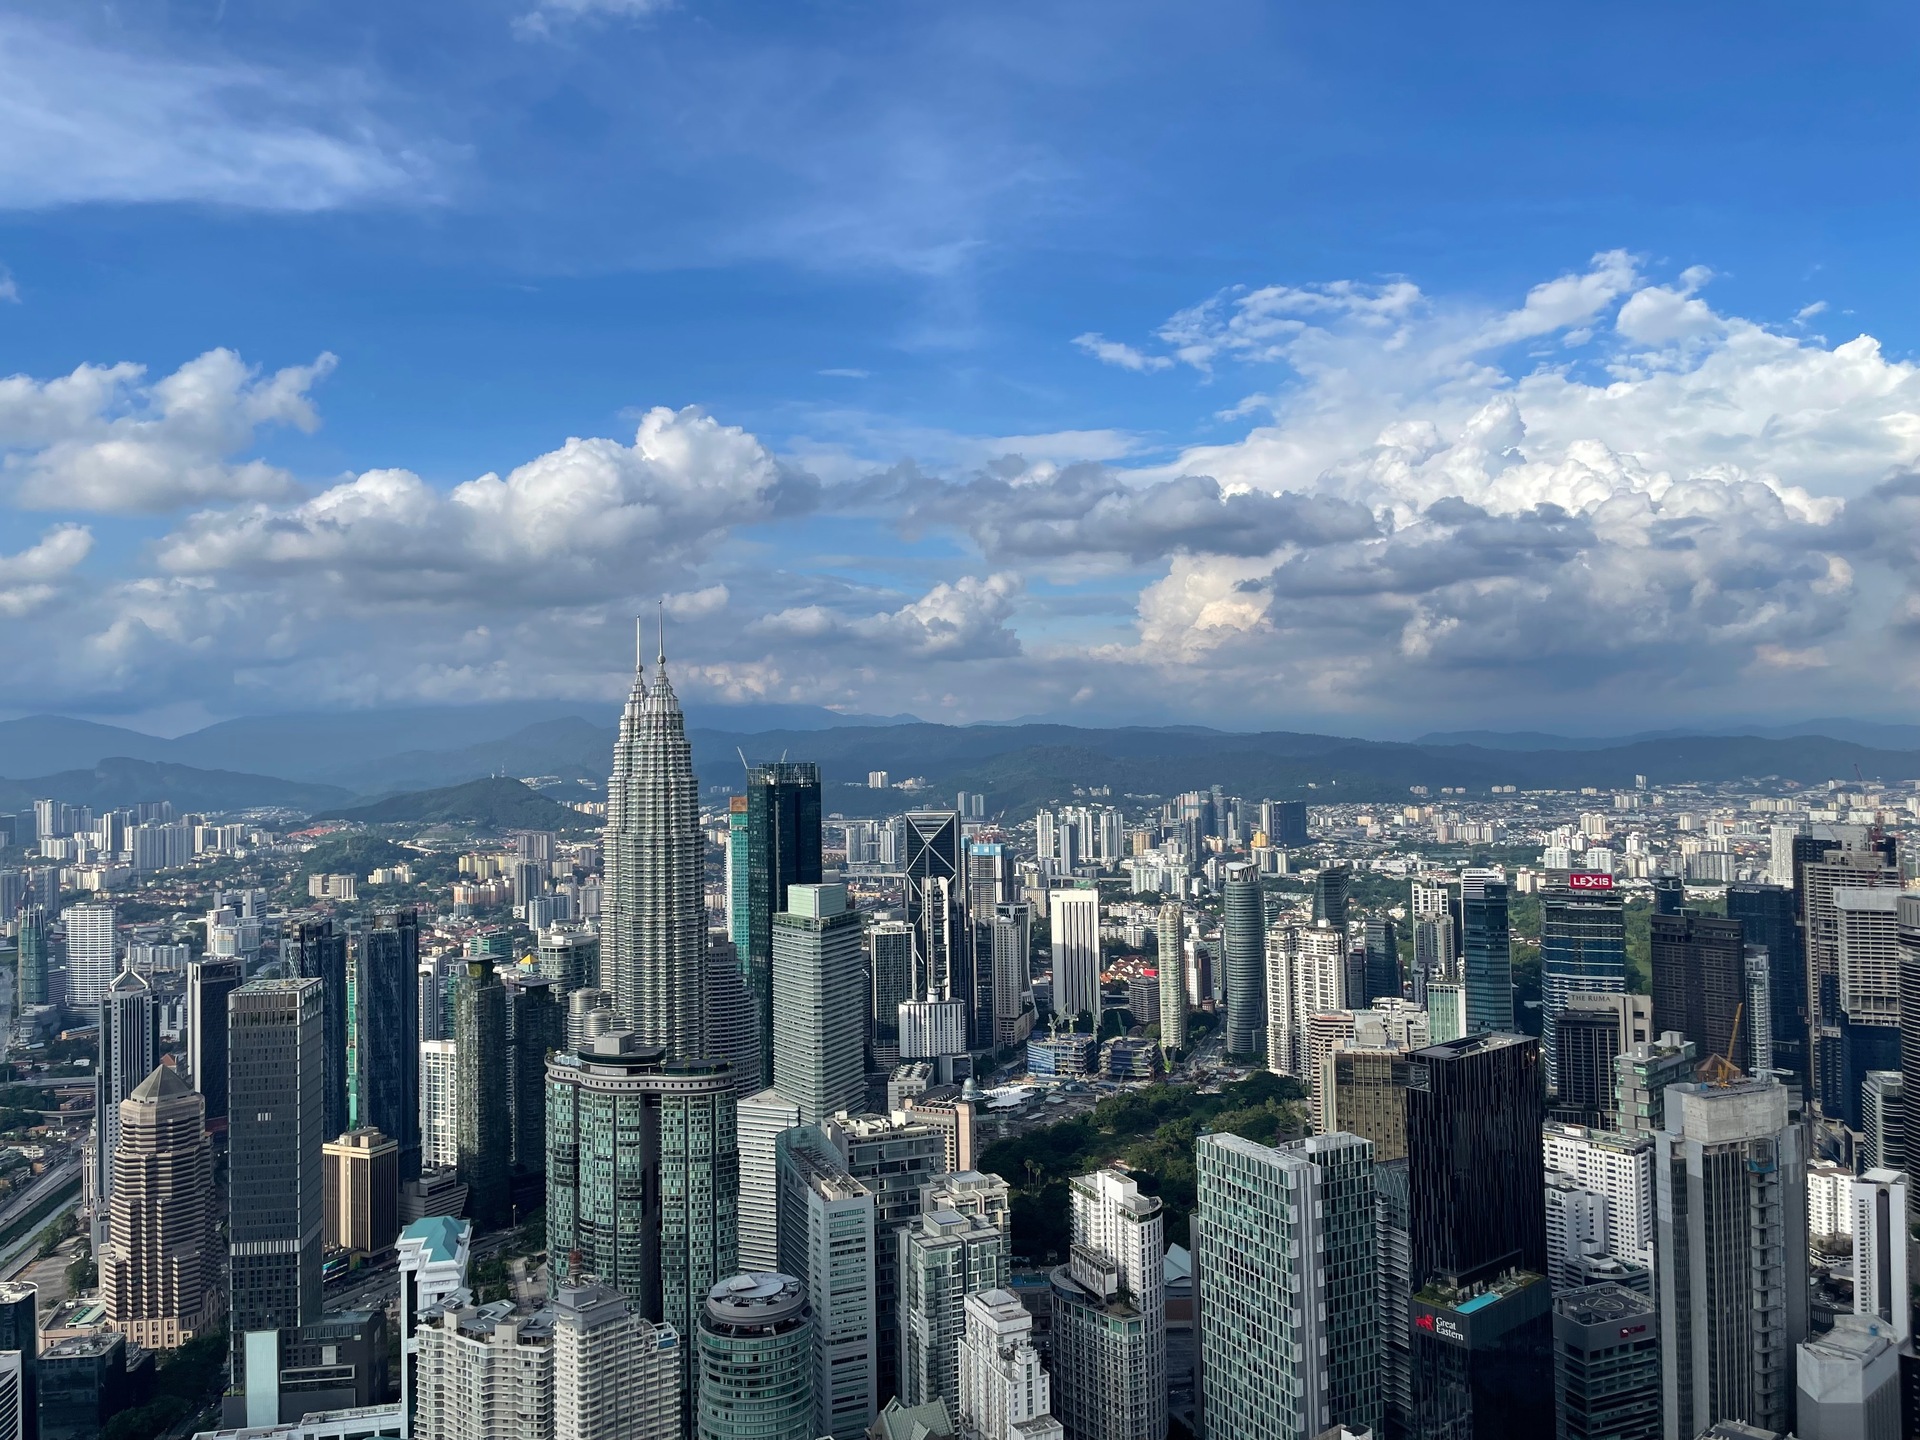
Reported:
(360, 1191)
(827, 1244)
(1243, 935)
(948, 1255)
(90, 954)
(1482, 1337)
(388, 999)
(1606, 1361)
(895, 1157)
(1849, 1383)
(1583, 948)
(1768, 921)
(160, 1267)
(129, 1049)
(642, 1174)
(1699, 981)
(1881, 1235)
(616, 1375)
(936, 908)
(20, 1338)
(1110, 1314)
(760, 1121)
(276, 1058)
(1285, 822)
(1008, 948)
(539, 1028)
(569, 955)
(483, 1087)
(1383, 959)
(1171, 963)
(1843, 857)
(1074, 918)
(31, 983)
(890, 973)
(819, 1006)
(1331, 884)
(1005, 1392)
(1868, 979)
(1591, 1033)
(1486, 951)
(320, 954)
(654, 910)
(755, 1345)
(739, 870)
(1907, 934)
(783, 849)
(1287, 1312)
(1882, 1126)
(1730, 1177)
(733, 1031)
(210, 981)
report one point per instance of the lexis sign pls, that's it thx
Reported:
(1589, 880)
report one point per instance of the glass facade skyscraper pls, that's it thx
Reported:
(653, 922)
(782, 850)
(483, 1083)
(321, 955)
(388, 998)
(1244, 938)
(1768, 920)
(1287, 1310)
(1486, 952)
(1583, 947)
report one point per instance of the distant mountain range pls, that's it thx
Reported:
(341, 763)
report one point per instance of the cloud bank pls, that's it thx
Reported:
(1605, 504)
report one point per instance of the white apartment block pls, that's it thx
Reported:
(439, 1105)
(484, 1375)
(1616, 1166)
(1005, 1393)
(616, 1375)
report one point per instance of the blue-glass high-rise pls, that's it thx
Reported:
(1486, 951)
(783, 850)
(1583, 948)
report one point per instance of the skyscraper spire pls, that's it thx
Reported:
(655, 921)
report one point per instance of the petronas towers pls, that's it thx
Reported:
(654, 925)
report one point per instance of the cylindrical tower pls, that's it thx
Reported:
(756, 1360)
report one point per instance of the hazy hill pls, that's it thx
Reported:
(119, 781)
(493, 804)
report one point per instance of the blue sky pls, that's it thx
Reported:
(1119, 361)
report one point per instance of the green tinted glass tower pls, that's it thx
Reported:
(783, 850)
(484, 1084)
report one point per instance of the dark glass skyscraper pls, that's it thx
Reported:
(936, 894)
(20, 1331)
(1583, 947)
(1482, 1355)
(1767, 919)
(277, 1091)
(209, 982)
(783, 849)
(483, 1085)
(1486, 951)
(322, 955)
(1699, 980)
(389, 1000)
(1330, 886)
(539, 1025)
(1383, 960)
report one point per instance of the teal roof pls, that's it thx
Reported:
(440, 1234)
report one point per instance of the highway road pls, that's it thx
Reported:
(14, 1256)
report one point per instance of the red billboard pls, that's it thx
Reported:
(1589, 880)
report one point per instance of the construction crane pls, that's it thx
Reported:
(1721, 1069)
